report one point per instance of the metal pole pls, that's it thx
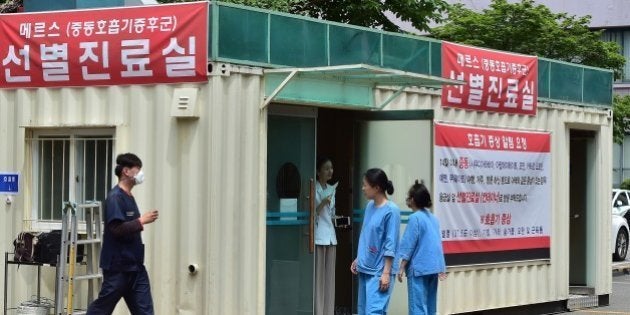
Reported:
(61, 261)
(72, 261)
(6, 274)
(39, 277)
(275, 92)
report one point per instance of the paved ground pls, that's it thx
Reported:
(620, 297)
(622, 266)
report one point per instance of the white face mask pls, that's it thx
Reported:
(139, 177)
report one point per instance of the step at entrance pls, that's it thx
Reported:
(581, 297)
(577, 302)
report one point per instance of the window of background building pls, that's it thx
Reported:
(621, 162)
(621, 37)
(68, 165)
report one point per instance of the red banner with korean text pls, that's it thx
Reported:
(495, 81)
(108, 46)
(492, 194)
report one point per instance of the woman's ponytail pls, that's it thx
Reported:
(376, 177)
(390, 187)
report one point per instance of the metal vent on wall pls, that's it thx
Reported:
(184, 103)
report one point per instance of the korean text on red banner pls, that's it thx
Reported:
(492, 190)
(495, 81)
(114, 46)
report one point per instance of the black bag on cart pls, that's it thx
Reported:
(48, 247)
(24, 247)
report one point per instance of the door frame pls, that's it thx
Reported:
(398, 302)
(355, 116)
(589, 228)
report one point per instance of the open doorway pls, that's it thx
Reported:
(399, 142)
(335, 138)
(582, 209)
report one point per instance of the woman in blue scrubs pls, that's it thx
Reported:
(422, 258)
(378, 243)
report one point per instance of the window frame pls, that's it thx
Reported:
(74, 136)
(619, 36)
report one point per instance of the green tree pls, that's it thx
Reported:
(621, 117)
(369, 13)
(532, 29)
(10, 6)
(276, 5)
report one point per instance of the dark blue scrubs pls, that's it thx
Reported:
(122, 261)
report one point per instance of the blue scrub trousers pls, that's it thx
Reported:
(422, 293)
(133, 286)
(371, 300)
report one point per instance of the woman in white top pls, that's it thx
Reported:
(325, 239)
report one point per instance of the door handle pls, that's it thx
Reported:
(311, 225)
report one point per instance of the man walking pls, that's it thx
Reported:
(122, 257)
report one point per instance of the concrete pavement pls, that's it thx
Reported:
(620, 297)
(621, 266)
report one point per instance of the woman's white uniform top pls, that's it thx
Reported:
(324, 228)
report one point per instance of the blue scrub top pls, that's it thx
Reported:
(125, 253)
(379, 238)
(421, 245)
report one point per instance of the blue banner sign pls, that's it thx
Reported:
(9, 183)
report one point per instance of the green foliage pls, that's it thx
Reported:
(10, 6)
(621, 117)
(625, 184)
(276, 5)
(369, 13)
(532, 29)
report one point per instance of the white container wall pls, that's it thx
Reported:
(204, 175)
(207, 178)
(512, 284)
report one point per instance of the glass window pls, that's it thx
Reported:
(622, 38)
(623, 197)
(69, 165)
